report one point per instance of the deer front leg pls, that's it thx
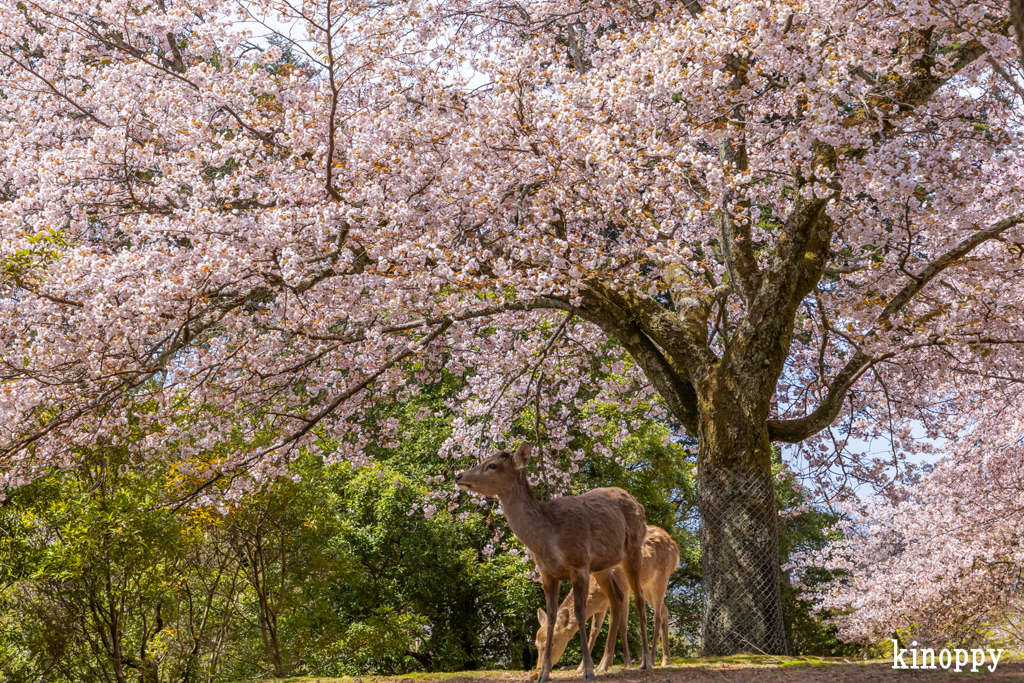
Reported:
(580, 588)
(551, 593)
(596, 622)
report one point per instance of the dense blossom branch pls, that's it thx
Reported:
(797, 430)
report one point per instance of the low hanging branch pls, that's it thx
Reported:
(313, 421)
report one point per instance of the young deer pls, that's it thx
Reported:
(660, 559)
(570, 538)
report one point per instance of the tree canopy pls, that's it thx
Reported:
(517, 187)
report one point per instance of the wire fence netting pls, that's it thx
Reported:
(740, 562)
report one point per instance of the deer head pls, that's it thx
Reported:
(565, 628)
(498, 474)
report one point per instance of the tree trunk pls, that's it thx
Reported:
(739, 524)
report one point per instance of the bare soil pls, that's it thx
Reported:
(740, 669)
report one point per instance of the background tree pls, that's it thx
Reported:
(791, 222)
(957, 582)
(93, 576)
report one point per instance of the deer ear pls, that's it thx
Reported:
(541, 617)
(563, 617)
(522, 456)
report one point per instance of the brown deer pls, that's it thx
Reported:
(660, 559)
(570, 538)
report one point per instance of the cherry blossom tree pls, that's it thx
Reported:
(233, 227)
(939, 561)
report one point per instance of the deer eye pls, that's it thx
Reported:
(492, 466)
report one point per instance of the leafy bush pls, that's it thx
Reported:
(336, 570)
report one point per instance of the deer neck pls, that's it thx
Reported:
(526, 516)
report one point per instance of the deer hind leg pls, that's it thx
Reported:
(656, 596)
(632, 568)
(627, 661)
(617, 602)
(650, 597)
(551, 593)
(596, 622)
(666, 658)
(580, 588)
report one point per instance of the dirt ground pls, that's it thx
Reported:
(725, 670)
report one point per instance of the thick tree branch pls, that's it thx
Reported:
(798, 261)
(684, 339)
(332, 117)
(156, 355)
(313, 421)
(899, 97)
(85, 112)
(793, 431)
(943, 262)
(677, 391)
(809, 238)
(735, 236)
(801, 252)
(173, 67)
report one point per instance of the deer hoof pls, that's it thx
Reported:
(589, 677)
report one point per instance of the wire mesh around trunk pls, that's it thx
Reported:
(740, 562)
